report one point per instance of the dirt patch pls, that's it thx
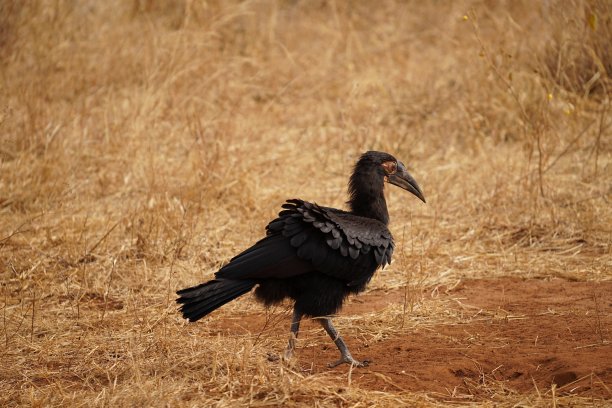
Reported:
(512, 335)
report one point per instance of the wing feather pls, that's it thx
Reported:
(306, 237)
(337, 243)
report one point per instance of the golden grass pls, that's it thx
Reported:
(143, 143)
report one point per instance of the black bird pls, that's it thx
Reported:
(314, 255)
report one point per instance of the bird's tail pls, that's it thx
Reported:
(200, 300)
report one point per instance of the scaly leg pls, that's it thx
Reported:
(295, 328)
(345, 354)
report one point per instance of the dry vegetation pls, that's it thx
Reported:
(144, 142)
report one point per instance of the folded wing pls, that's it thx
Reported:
(306, 237)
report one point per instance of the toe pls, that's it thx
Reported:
(352, 361)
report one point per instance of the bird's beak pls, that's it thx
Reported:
(402, 179)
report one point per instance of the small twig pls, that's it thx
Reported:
(18, 230)
(540, 162)
(168, 290)
(270, 321)
(179, 244)
(107, 291)
(93, 248)
(602, 128)
(536, 387)
(594, 197)
(403, 262)
(33, 314)
(389, 381)
(597, 315)
(604, 343)
(4, 318)
(569, 146)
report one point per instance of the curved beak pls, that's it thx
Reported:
(402, 179)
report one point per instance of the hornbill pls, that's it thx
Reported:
(314, 255)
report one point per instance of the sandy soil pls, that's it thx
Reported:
(518, 334)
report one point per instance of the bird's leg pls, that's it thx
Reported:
(295, 328)
(345, 354)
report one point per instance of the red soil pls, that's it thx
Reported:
(515, 336)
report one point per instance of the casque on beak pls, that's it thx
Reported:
(403, 179)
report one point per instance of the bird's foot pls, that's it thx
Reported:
(288, 355)
(349, 360)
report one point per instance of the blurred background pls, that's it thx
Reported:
(143, 143)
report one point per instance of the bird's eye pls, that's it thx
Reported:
(390, 167)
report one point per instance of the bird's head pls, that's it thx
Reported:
(391, 170)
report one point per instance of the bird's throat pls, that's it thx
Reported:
(367, 198)
(371, 207)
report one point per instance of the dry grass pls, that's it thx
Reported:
(143, 143)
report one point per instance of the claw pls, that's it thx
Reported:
(345, 354)
(295, 328)
(349, 360)
(288, 354)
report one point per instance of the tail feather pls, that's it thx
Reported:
(199, 310)
(200, 300)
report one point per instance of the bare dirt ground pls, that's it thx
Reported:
(521, 334)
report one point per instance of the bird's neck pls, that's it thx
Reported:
(367, 197)
(371, 207)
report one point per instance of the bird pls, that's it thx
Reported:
(313, 255)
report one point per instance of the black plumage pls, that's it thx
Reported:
(314, 255)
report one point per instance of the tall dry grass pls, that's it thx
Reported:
(143, 143)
